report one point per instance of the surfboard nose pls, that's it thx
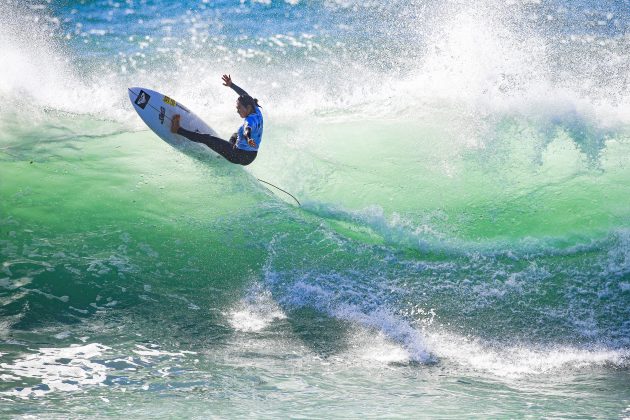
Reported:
(140, 97)
(133, 92)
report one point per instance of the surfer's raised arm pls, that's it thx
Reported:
(227, 81)
(242, 147)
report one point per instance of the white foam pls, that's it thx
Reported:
(156, 352)
(383, 335)
(474, 60)
(371, 346)
(256, 311)
(517, 361)
(58, 369)
(151, 354)
(403, 340)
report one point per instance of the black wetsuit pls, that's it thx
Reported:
(222, 147)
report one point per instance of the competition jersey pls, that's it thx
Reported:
(255, 122)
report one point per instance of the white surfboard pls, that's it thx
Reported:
(157, 110)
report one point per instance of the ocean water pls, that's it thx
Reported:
(462, 248)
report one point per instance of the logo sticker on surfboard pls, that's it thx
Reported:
(143, 99)
(162, 114)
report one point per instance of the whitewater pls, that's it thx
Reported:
(462, 247)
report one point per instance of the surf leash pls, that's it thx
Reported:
(278, 188)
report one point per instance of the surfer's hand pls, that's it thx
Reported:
(251, 142)
(227, 80)
(175, 123)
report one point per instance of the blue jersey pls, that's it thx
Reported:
(255, 122)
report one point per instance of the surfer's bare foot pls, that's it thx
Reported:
(175, 123)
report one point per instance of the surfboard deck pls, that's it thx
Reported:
(157, 111)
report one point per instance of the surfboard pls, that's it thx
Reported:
(157, 110)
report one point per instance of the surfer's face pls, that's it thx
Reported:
(242, 110)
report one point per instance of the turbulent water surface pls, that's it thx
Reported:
(462, 248)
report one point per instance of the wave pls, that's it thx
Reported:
(462, 167)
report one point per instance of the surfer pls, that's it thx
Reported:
(243, 145)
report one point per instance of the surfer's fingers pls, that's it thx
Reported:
(175, 123)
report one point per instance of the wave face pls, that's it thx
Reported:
(464, 233)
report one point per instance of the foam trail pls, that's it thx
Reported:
(521, 361)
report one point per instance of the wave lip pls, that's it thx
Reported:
(380, 320)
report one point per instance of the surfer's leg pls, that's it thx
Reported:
(244, 157)
(222, 147)
(228, 151)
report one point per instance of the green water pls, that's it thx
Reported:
(115, 238)
(462, 248)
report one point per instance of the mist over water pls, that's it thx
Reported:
(463, 236)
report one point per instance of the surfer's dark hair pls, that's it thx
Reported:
(247, 100)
